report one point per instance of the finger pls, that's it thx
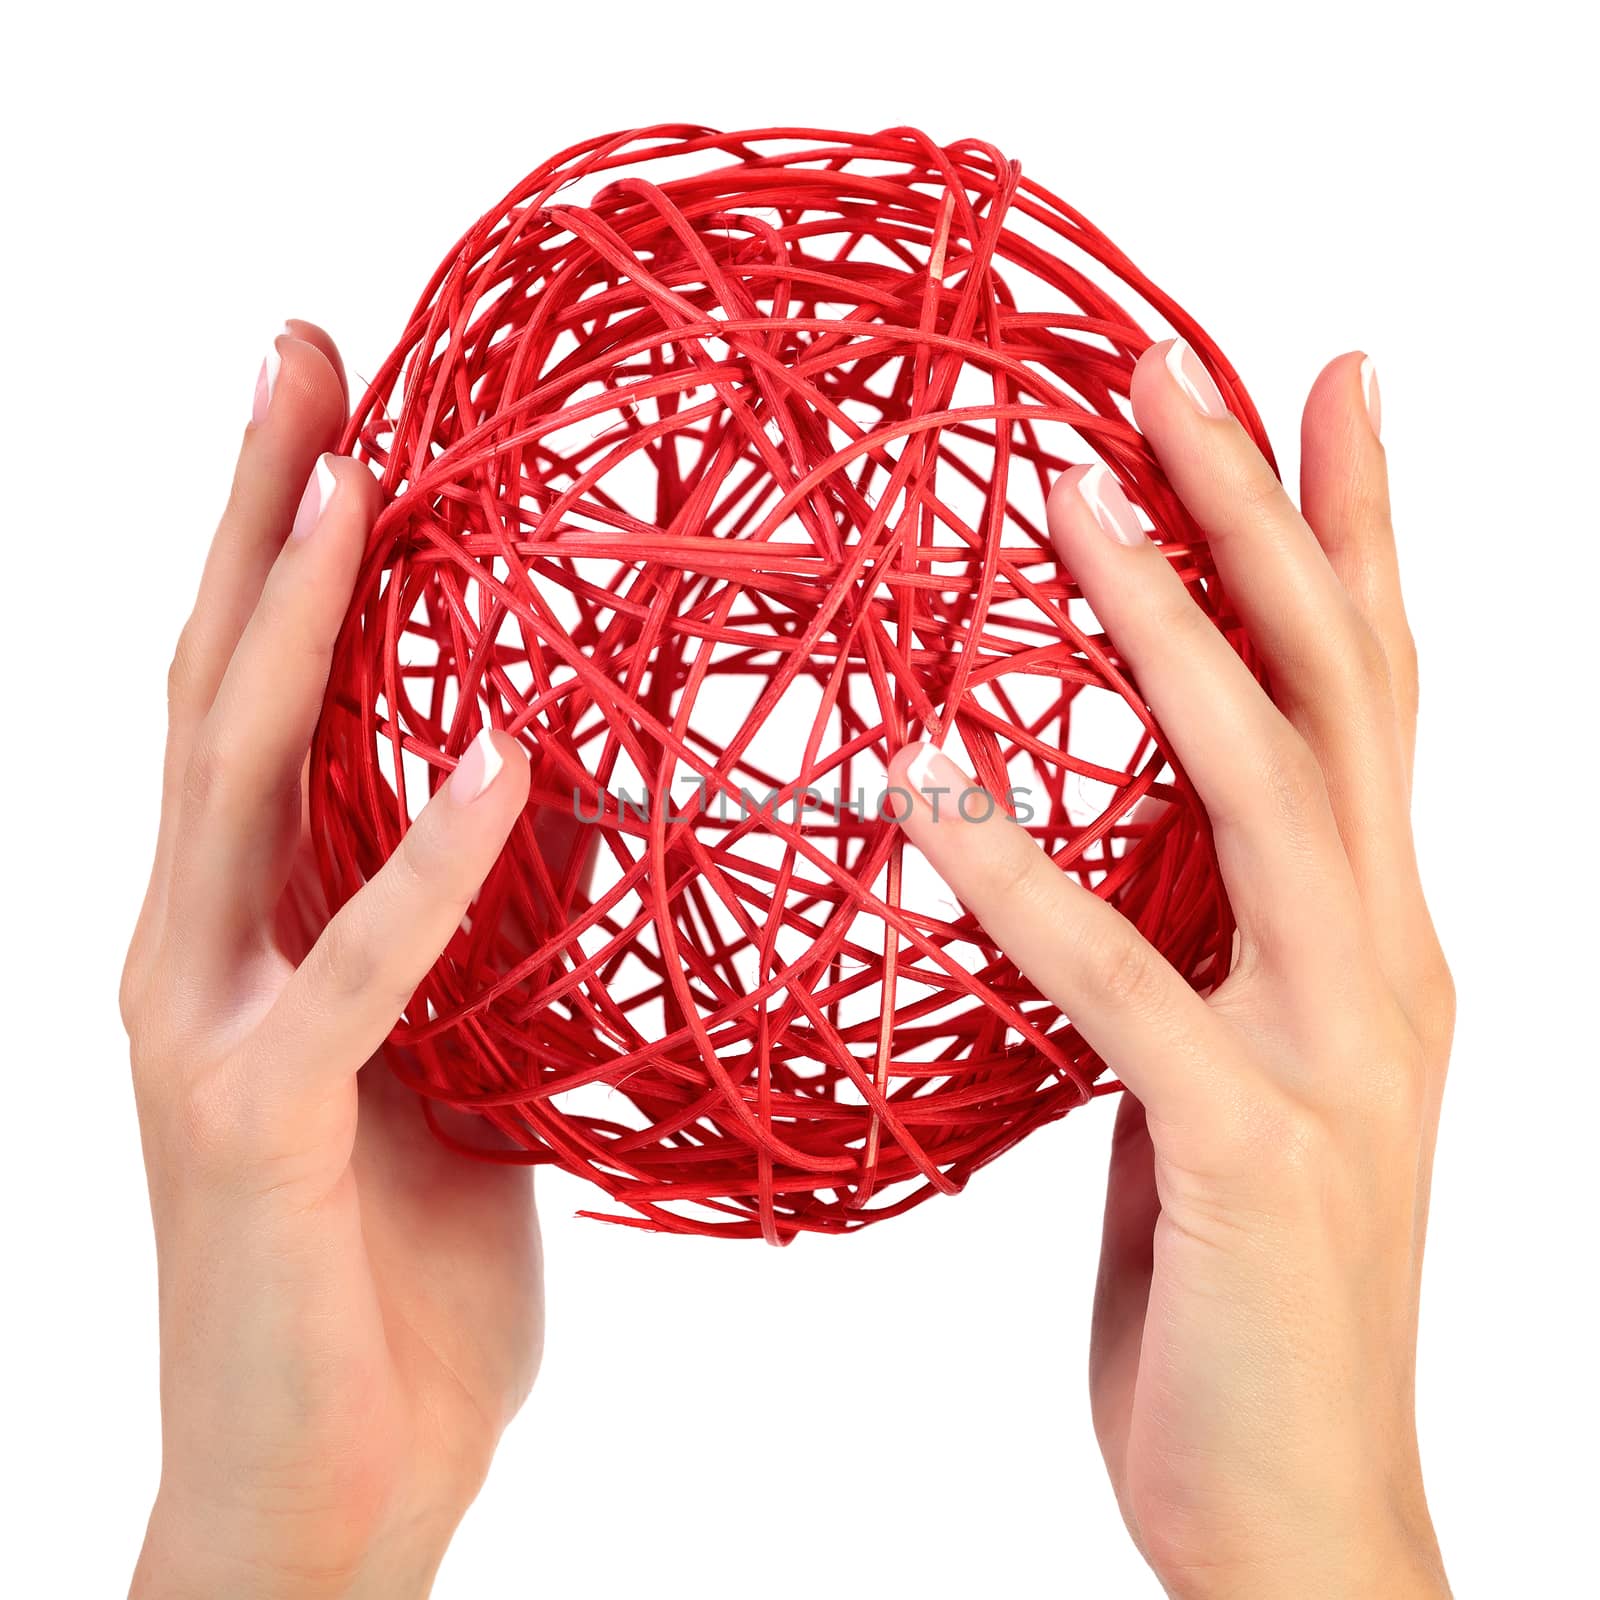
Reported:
(242, 801)
(359, 977)
(1326, 667)
(1130, 1006)
(298, 413)
(1276, 840)
(298, 410)
(1344, 492)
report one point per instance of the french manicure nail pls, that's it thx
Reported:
(1369, 393)
(266, 379)
(1109, 506)
(1189, 373)
(478, 767)
(318, 492)
(934, 773)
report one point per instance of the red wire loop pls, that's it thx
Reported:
(714, 471)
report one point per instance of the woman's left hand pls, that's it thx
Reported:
(350, 1313)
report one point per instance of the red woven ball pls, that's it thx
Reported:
(715, 469)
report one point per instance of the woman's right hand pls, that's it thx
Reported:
(1255, 1326)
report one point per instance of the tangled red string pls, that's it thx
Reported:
(715, 468)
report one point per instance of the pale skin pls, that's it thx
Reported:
(350, 1314)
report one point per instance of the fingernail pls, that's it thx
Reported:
(266, 379)
(1189, 373)
(1369, 393)
(1103, 495)
(319, 491)
(934, 773)
(478, 767)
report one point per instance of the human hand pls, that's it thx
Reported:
(350, 1313)
(1255, 1321)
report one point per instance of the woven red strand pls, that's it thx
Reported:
(714, 468)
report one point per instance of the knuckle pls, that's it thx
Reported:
(1396, 1094)
(181, 671)
(347, 960)
(1013, 875)
(130, 990)
(1291, 776)
(1181, 622)
(205, 774)
(1371, 1065)
(430, 869)
(142, 1059)
(153, 1013)
(1120, 969)
(281, 619)
(135, 967)
(219, 770)
(208, 1123)
(1403, 649)
(418, 866)
(1377, 1072)
(1434, 1004)
(354, 966)
(1259, 1135)
(1369, 662)
(1259, 491)
(1283, 1140)
(1402, 657)
(1342, 664)
(1013, 880)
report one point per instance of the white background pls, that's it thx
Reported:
(1306, 179)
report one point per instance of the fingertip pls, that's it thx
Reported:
(1163, 410)
(320, 490)
(517, 770)
(1372, 395)
(1343, 465)
(1174, 388)
(297, 414)
(899, 785)
(922, 772)
(356, 481)
(493, 762)
(1065, 504)
(337, 508)
(1088, 514)
(1344, 482)
(1344, 405)
(307, 406)
(1151, 382)
(923, 762)
(320, 339)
